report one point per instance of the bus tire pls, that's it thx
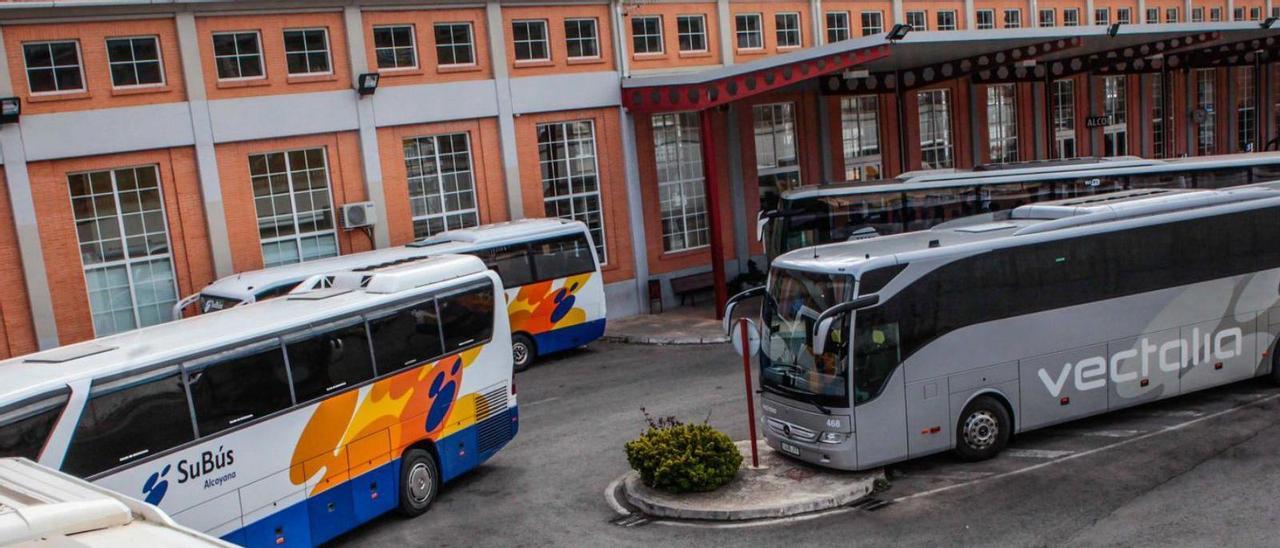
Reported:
(1275, 366)
(983, 430)
(523, 352)
(419, 482)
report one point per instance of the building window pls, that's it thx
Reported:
(860, 136)
(1215, 14)
(454, 45)
(691, 30)
(1153, 16)
(238, 55)
(1002, 123)
(947, 20)
(530, 40)
(581, 39)
(1012, 18)
(681, 190)
(1246, 111)
(442, 190)
(918, 20)
(986, 19)
(53, 67)
(872, 23)
(307, 51)
(1114, 141)
(1255, 13)
(395, 48)
(1275, 12)
(777, 158)
(1047, 18)
(1071, 17)
(124, 247)
(1124, 16)
(1171, 15)
(135, 61)
(788, 29)
(837, 26)
(1237, 14)
(646, 34)
(1197, 15)
(295, 213)
(1064, 117)
(748, 29)
(1102, 16)
(935, 129)
(1157, 116)
(570, 184)
(1205, 92)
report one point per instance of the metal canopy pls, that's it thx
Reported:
(1065, 66)
(1002, 60)
(1222, 54)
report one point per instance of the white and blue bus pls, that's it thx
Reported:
(554, 288)
(286, 422)
(896, 347)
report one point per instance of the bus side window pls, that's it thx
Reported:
(406, 337)
(26, 427)
(336, 359)
(275, 291)
(1266, 173)
(236, 387)
(1220, 178)
(511, 263)
(129, 419)
(876, 355)
(467, 317)
(562, 257)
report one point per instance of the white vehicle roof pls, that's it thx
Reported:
(245, 285)
(43, 507)
(49, 370)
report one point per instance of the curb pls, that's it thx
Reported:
(664, 341)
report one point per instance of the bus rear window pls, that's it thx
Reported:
(128, 420)
(512, 263)
(467, 317)
(26, 428)
(567, 256)
(406, 337)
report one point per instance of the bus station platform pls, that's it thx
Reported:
(677, 325)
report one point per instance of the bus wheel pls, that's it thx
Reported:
(523, 352)
(419, 482)
(1275, 366)
(983, 430)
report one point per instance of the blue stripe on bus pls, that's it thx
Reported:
(342, 508)
(569, 337)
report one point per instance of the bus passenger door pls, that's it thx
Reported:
(879, 394)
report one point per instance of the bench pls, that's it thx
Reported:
(687, 287)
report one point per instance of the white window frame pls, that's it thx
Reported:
(1017, 20)
(702, 32)
(739, 33)
(602, 247)
(1215, 15)
(1073, 20)
(413, 46)
(1149, 19)
(946, 143)
(1158, 116)
(1102, 16)
(1064, 118)
(455, 46)
(298, 235)
(1052, 18)
(949, 25)
(1173, 12)
(594, 40)
(1118, 110)
(1197, 14)
(84, 84)
(127, 262)
(422, 182)
(682, 180)
(861, 162)
(1237, 14)
(1207, 131)
(779, 31)
(989, 24)
(845, 28)
(1246, 109)
(1002, 123)
(778, 113)
(868, 30)
(922, 15)
(647, 36)
(159, 61)
(545, 41)
(328, 52)
(1124, 16)
(257, 37)
(1255, 13)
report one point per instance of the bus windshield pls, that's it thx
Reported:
(788, 366)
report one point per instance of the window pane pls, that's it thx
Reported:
(236, 388)
(129, 422)
(512, 263)
(26, 430)
(467, 317)
(331, 362)
(562, 257)
(408, 337)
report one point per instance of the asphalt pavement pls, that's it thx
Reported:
(1198, 470)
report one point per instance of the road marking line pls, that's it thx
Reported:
(1036, 453)
(953, 476)
(1177, 414)
(531, 404)
(1111, 433)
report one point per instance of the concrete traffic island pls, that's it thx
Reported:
(781, 487)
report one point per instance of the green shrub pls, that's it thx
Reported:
(683, 458)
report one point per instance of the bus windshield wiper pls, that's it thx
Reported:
(792, 393)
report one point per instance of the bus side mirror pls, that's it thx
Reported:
(822, 331)
(730, 306)
(762, 220)
(822, 327)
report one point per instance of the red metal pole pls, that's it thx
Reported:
(713, 204)
(751, 402)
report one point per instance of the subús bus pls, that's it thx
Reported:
(819, 214)
(289, 421)
(895, 347)
(554, 289)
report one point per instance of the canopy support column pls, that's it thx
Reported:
(710, 179)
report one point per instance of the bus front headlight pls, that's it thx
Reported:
(833, 437)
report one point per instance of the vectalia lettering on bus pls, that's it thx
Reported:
(1091, 373)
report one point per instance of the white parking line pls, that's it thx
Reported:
(531, 404)
(1111, 433)
(1037, 453)
(1176, 414)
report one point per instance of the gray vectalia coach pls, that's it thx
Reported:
(895, 347)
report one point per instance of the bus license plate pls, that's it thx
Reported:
(790, 449)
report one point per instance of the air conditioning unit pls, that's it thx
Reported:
(357, 215)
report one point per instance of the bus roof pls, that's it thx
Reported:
(857, 256)
(244, 285)
(1029, 172)
(42, 506)
(45, 371)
